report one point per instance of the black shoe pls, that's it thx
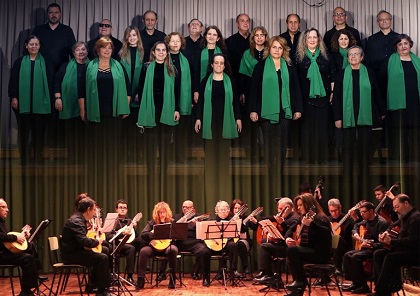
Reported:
(296, 285)
(140, 283)
(90, 288)
(161, 276)
(349, 288)
(206, 280)
(171, 284)
(295, 293)
(42, 278)
(259, 275)
(131, 281)
(195, 276)
(262, 279)
(267, 280)
(361, 290)
(22, 293)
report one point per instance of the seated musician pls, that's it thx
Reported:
(403, 250)
(286, 217)
(386, 211)
(365, 234)
(344, 230)
(134, 243)
(25, 260)
(312, 244)
(245, 241)
(76, 247)
(222, 211)
(161, 214)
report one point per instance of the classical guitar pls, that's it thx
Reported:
(16, 247)
(336, 226)
(260, 234)
(301, 230)
(254, 213)
(95, 232)
(162, 244)
(358, 244)
(217, 244)
(130, 228)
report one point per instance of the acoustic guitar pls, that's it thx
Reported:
(95, 232)
(361, 240)
(16, 247)
(260, 234)
(336, 226)
(301, 230)
(130, 227)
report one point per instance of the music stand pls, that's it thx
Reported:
(173, 231)
(220, 232)
(39, 230)
(109, 223)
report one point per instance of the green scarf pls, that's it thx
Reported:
(69, 93)
(41, 103)
(185, 91)
(229, 125)
(316, 89)
(120, 98)
(248, 63)
(135, 79)
(365, 104)
(396, 98)
(270, 108)
(343, 53)
(146, 116)
(204, 62)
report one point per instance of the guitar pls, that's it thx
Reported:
(254, 213)
(217, 244)
(379, 208)
(95, 232)
(336, 226)
(260, 233)
(130, 228)
(301, 229)
(162, 244)
(200, 218)
(16, 247)
(361, 240)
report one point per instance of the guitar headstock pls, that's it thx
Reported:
(137, 218)
(26, 229)
(257, 211)
(203, 217)
(311, 213)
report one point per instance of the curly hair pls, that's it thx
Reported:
(220, 43)
(301, 47)
(334, 40)
(169, 36)
(159, 207)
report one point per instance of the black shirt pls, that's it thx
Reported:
(192, 48)
(378, 48)
(236, 45)
(149, 40)
(292, 45)
(115, 53)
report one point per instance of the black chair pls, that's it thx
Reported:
(9, 268)
(64, 270)
(155, 268)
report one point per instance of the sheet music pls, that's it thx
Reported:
(271, 229)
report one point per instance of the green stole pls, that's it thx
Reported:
(270, 107)
(365, 104)
(120, 97)
(229, 125)
(146, 116)
(204, 62)
(343, 53)
(135, 79)
(316, 89)
(41, 103)
(185, 91)
(396, 98)
(248, 63)
(69, 93)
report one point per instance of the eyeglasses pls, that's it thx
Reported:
(339, 14)
(354, 54)
(105, 25)
(223, 210)
(122, 208)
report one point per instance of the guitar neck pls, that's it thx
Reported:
(341, 222)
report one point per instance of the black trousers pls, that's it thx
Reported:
(100, 276)
(297, 256)
(29, 270)
(267, 251)
(353, 265)
(201, 252)
(129, 251)
(146, 252)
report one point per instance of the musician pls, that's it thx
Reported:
(74, 244)
(405, 248)
(161, 214)
(314, 243)
(345, 242)
(386, 211)
(245, 242)
(129, 249)
(25, 260)
(368, 230)
(286, 218)
(194, 245)
(222, 210)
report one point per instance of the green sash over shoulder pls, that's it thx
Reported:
(248, 63)
(69, 92)
(316, 89)
(135, 79)
(147, 110)
(41, 103)
(204, 61)
(229, 124)
(119, 97)
(270, 108)
(185, 91)
(343, 52)
(396, 97)
(365, 105)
